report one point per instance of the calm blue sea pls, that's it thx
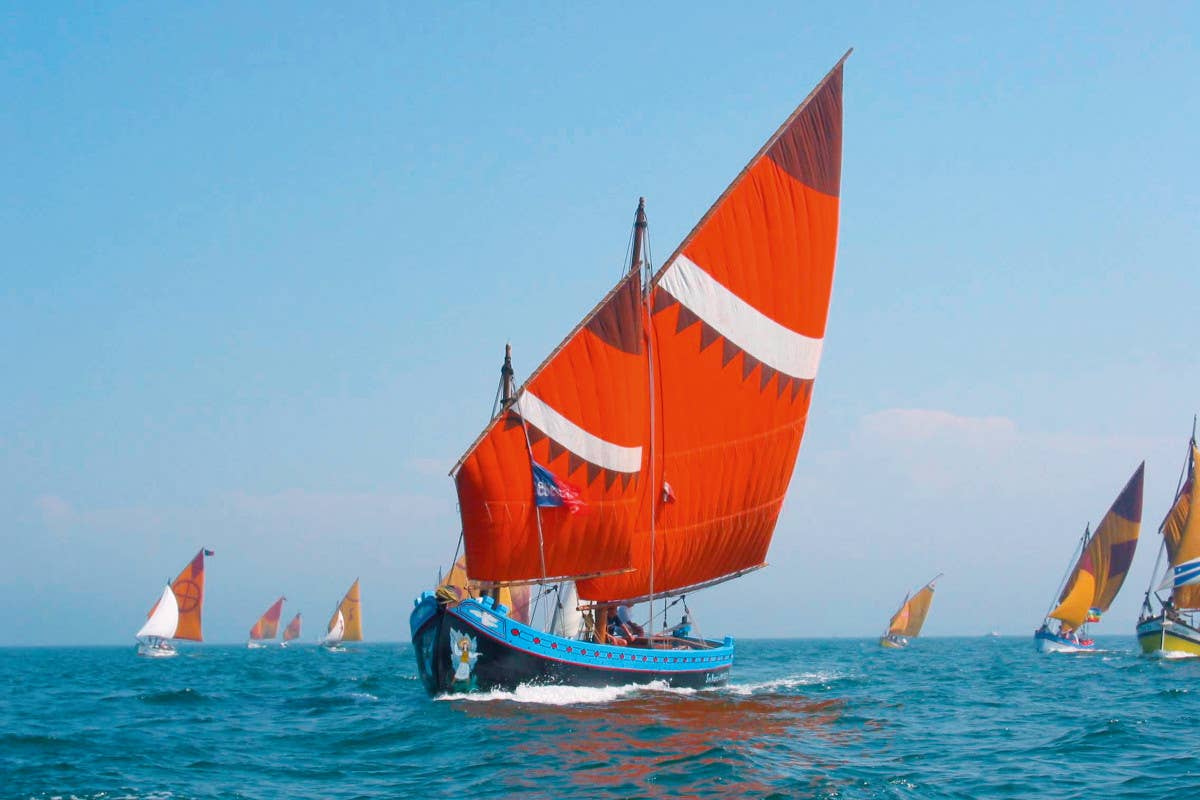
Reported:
(961, 718)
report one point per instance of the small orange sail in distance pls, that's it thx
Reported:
(189, 592)
(292, 631)
(268, 624)
(351, 611)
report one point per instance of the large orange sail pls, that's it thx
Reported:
(351, 610)
(1181, 533)
(737, 322)
(268, 624)
(1102, 566)
(583, 416)
(292, 631)
(189, 592)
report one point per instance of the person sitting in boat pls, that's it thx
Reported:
(621, 626)
(1066, 632)
(1171, 612)
(683, 629)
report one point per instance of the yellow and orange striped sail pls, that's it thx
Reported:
(189, 592)
(1102, 566)
(351, 611)
(268, 624)
(583, 415)
(1181, 532)
(292, 631)
(517, 598)
(737, 322)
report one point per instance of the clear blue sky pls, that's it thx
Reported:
(259, 263)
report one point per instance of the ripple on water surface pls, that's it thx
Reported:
(810, 718)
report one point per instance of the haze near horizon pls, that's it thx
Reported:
(261, 264)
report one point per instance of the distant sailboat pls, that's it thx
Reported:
(346, 623)
(1097, 573)
(337, 629)
(292, 631)
(906, 623)
(1173, 630)
(154, 637)
(176, 616)
(267, 626)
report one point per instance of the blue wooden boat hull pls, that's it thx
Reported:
(473, 645)
(1048, 642)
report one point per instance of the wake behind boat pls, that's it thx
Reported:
(176, 615)
(1096, 574)
(908, 620)
(649, 455)
(1173, 630)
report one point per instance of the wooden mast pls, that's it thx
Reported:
(639, 234)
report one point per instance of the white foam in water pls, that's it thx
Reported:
(791, 682)
(587, 695)
(565, 695)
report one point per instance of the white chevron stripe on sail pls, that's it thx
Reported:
(781, 348)
(588, 446)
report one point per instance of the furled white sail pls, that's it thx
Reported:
(567, 621)
(336, 631)
(164, 619)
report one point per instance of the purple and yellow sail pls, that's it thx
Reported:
(1104, 562)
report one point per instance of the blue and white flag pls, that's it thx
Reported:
(1186, 574)
(551, 492)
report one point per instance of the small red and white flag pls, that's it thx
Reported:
(668, 494)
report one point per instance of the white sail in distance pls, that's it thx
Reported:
(165, 618)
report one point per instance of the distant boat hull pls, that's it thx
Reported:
(1168, 638)
(1048, 642)
(253, 645)
(156, 649)
(474, 646)
(893, 642)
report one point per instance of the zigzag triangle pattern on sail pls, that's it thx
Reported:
(737, 320)
(583, 415)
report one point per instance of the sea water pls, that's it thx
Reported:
(946, 718)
